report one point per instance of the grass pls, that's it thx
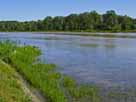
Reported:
(39, 75)
(80, 93)
(10, 88)
(54, 86)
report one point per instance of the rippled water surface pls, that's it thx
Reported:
(103, 61)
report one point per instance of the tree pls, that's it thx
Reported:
(72, 22)
(111, 20)
(87, 21)
(58, 23)
(47, 22)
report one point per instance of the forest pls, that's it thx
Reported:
(85, 22)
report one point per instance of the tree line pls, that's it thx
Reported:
(87, 21)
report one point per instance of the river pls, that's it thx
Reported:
(103, 61)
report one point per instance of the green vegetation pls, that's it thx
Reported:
(119, 95)
(54, 86)
(87, 22)
(82, 93)
(10, 87)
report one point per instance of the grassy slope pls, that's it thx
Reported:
(10, 87)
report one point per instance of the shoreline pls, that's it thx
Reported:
(101, 35)
(95, 34)
(73, 31)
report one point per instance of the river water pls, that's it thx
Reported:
(97, 60)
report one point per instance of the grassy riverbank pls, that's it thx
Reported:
(54, 86)
(10, 85)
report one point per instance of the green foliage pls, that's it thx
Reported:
(88, 21)
(42, 76)
(6, 48)
(68, 82)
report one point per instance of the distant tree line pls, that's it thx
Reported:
(88, 21)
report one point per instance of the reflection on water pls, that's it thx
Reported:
(103, 61)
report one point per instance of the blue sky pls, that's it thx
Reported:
(38, 9)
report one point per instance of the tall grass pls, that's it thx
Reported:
(80, 93)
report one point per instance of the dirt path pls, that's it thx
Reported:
(34, 93)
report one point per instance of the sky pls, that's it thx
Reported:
(26, 10)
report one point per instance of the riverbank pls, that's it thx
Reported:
(54, 86)
(11, 87)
